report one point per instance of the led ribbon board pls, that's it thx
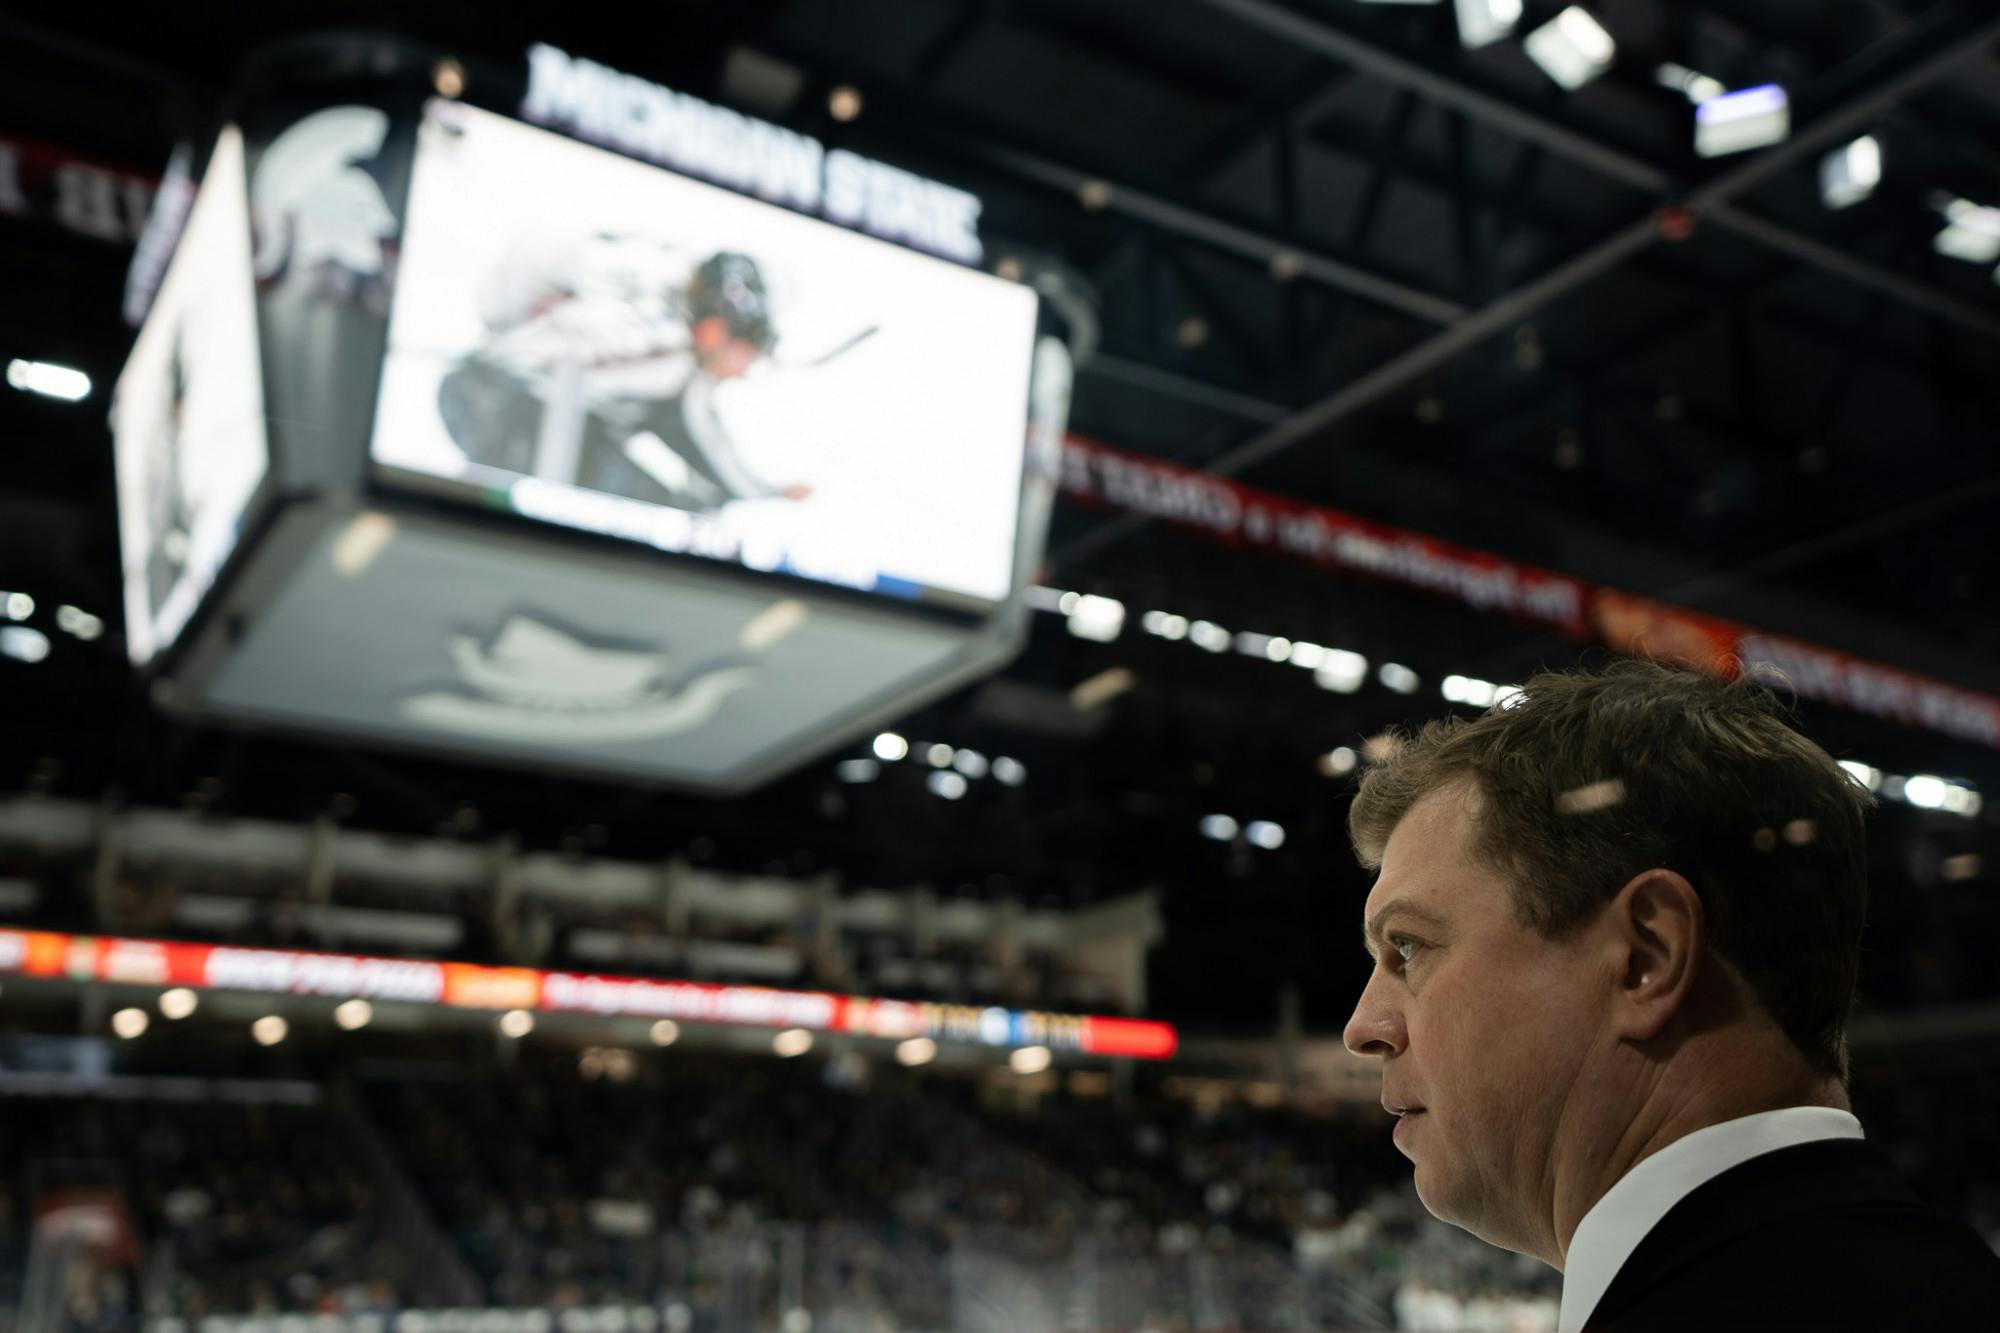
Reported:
(211, 967)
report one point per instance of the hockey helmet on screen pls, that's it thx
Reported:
(729, 285)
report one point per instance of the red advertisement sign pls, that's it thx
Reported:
(1240, 515)
(473, 986)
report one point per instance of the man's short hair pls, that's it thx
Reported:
(1589, 777)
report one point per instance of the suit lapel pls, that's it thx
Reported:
(1750, 1195)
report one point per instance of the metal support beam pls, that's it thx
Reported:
(1564, 278)
(1712, 198)
(1312, 34)
(1230, 236)
(1196, 393)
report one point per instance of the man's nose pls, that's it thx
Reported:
(1376, 1027)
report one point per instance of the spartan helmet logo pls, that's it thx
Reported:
(312, 202)
(533, 681)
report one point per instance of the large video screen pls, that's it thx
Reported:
(591, 341)
(187, 417)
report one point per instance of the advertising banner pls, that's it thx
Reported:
(1239, 515)
(163, 963)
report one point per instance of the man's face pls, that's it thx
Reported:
(721, 353)
(1478, 1020)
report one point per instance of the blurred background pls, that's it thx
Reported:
(1415, 347)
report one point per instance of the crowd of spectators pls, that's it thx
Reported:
(730, 1192)
(212, 1206)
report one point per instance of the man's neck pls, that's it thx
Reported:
(1671, 1113)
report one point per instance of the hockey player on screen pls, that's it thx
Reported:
(601, 370)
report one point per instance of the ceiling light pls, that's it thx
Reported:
(1164, 625)
(1308, 655)
(1697, 88)
(1097, 618)
(1209, 636)
(1867, 775)
(1483, 22)
(857, 770)
(1849, 175)
(178, 1003)
(1338, 762)
(792, 1042)
(1011, 772)
(971, 763)
(76, 621)
(516, 1024)
(1341, 671)
(1263, 833)
(1030, 1059)
(1572, 48)
(130, 1024)
(269, 1030)
(1398, 677)
(844, 102)
(916, 1051)
(49, 380)
(23, 643)
(1971, 233)
(940, 755)
(1925, 792)
(1469, 690)
(353, 1015)
(16, 605)
(1220, 828)
(947, 784)
(666, 1032)
(1739, 121)
(889, 747)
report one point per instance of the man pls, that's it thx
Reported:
(601, 371)
(1617, 930)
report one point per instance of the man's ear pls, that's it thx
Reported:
(1661, 935)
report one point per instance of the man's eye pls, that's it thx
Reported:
(1400, 943)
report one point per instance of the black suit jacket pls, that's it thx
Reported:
(1825, 1235)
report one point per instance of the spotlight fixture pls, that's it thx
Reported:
(1971, 233)
(1849, 175)
(1483, 22)
(1739, 121)
(1572, 48)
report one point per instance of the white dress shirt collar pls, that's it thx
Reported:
(1618, 1221)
